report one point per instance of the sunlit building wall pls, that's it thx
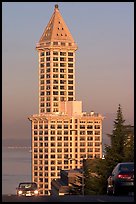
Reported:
(61, 130)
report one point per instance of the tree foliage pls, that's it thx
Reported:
(122, 141)
(121, 149)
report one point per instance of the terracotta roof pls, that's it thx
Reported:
(56, 29)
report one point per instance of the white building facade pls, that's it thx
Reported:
(60, 130)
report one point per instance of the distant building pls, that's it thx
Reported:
(61, 130)
(64, 185)
(129, 129)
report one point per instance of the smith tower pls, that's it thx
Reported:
(60, 130)
(56, 50)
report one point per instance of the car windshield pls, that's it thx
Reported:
(28, 185)
(126, 167)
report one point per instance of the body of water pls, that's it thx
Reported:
(16, 168)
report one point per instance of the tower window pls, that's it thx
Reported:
(70, 93)
(70, 53)
(62, 64)
(42, 93)
(70, 59)
(48, 110)
(47, 58)
(48, 82)
(55, 69)
(55, 53)
(70, 70)
(55, 43)
(42, 59)
(70, 98)
(62, 43)
(70, 82)
(70, 76)
(55, 75)
(62, 59)
(55, 81)
(47, 53)
(48, 70)
(63, 53)
(55, 64)
(62, 93)
(42, 54)
(70, 87)
(70, 65)
(55, 58)
(62, 70)
(55, 92)
(48, 64)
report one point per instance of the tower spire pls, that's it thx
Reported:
(56, 31)
(56, 6)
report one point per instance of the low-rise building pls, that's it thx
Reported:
(68, 180)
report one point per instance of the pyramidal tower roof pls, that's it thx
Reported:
(56, 31)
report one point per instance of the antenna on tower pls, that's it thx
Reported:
(56, 6)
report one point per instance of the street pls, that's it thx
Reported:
(69, 198)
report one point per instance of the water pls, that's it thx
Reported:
(16, 168)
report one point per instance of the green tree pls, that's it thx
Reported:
(115, 152)
(95, 177)
(122, 141)
(121, 149)
(118, 136)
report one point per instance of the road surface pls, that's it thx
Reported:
(69, 198)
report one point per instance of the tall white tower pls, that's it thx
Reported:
(60, 130)
(56, 49)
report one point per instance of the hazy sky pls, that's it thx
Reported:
(104, 33)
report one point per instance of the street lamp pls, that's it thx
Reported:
(83, 180)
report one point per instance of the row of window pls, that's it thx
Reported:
(46, 144)
(56, 53)
(56, 43)
(66, 121)
(57, 59)
(56, 87)
(56, 81)
(70, 70)
(52, 162)
(59, 132)
(97, 138)
(65, 126)
(48, 93)
(66, 144)
(45, 180)
(55, 64)
(66, 150)
(59, 138)
(41, 162)
(69, 76)
(54, 99)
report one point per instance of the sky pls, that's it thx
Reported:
(104, 33)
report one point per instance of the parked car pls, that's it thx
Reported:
(122, 179)
(27, 189)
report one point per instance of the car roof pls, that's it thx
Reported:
(126, 163)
